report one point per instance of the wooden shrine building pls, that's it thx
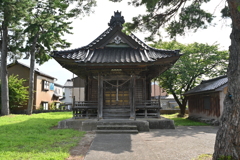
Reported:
(117, 70)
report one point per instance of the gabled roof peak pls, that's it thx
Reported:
(117, 19)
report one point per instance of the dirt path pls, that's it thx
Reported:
(79, 152)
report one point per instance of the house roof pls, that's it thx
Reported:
(209, 85)
(59, 85)
(68, 84)
(114, 47)
(57, 95)
(36, 69)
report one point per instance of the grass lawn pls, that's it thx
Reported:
(204, 157)
(33, 137)
(183, 121)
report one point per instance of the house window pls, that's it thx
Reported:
(45, 85)
(45, 105)
(207, 102)
(51, 86)
(57, 91)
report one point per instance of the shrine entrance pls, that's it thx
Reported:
(116, 96)
(116, 92)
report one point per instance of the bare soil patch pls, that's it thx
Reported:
(79, 152)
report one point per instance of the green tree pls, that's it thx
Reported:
(18, 94)
(179, 16)
(198, 60)
(11, 14)
(45, 24)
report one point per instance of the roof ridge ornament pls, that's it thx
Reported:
(117, 40)
(116, 20)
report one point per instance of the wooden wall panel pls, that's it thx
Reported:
(92, 90)
(196, 104)
(139, 90)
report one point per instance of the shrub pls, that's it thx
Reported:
(18, 93)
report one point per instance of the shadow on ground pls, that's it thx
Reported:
(182, 143)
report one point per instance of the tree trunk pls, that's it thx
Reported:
(182, 110)
(183, 107)
(4, 73)
(227, 144)
(182, 104)
(31, 76)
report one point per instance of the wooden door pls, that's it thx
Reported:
(116, 92)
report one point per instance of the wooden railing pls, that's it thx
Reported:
(148, 108)
(84, 109)
(89, 109)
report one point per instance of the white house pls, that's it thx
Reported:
(58, 92)
(73, 87)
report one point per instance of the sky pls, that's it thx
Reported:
(88, 28)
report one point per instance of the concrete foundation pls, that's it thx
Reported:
(143, 124)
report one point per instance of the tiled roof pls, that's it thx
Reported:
(117, 55)
(114, 46)
(99, 38)
(111, 55)
(209, 85)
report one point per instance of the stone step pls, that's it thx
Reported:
(116, 127)
(116, 114)
(116, 117)
(117, 131)
(116, 110)
(116, 107)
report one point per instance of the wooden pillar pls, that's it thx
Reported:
(89, 86)
(144, 89)
(100, 96)
(73, 107)
(159, 107)
(145, 95)
(73, 101)
(149, 86)
(132, 97)
(86, 88)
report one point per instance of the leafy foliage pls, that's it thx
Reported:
(176, 16)
(226, 12)
(11, 15)
(191, 17)
(198, 60)
(47, 22)
(18, 94)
